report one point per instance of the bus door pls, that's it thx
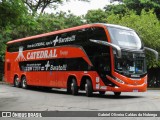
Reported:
(103, 66)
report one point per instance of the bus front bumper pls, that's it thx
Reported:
(123, 87)
(129, 88)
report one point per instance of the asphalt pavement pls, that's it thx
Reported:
(34, 99)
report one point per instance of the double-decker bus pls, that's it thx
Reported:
(93, 57)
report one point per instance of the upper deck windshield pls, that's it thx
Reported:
(125, 38)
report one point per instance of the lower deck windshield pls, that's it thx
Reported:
(130, 66)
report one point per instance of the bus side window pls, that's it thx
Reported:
(81, 37)
(97, 34)
(8, 66)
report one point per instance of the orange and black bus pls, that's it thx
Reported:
(93, 57)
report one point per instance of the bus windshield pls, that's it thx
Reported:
(131, 64)
(125, 38)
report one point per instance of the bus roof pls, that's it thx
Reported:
(118, 26)
(67, 30)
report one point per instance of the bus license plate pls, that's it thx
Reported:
(135, 90)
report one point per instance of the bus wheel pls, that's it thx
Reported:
(117, 94)
(74, 87)
(88, 88)
(102, 92)
(17, 82)
(69, 89)
(24, 82)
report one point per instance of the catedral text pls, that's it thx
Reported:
(42, 54)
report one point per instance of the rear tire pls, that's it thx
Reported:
(74, 87)
(24, 83)
(88, 88)
(117, 94)
(69, 89)
(17, 83)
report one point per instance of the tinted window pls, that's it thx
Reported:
(79, 37)
(125, 38)
(13, 47)
(97, 33)
(61, 64)
(49, 41)
(93, 49)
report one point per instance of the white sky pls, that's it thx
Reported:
(80, 8)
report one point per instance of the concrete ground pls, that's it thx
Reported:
(18, 99)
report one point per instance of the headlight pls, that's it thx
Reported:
(145, 80)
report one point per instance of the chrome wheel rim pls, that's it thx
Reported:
(24, 83)
(16, 82)
(72, 87)
(86, 86)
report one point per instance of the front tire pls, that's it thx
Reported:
(24, 83)
(88, 88)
